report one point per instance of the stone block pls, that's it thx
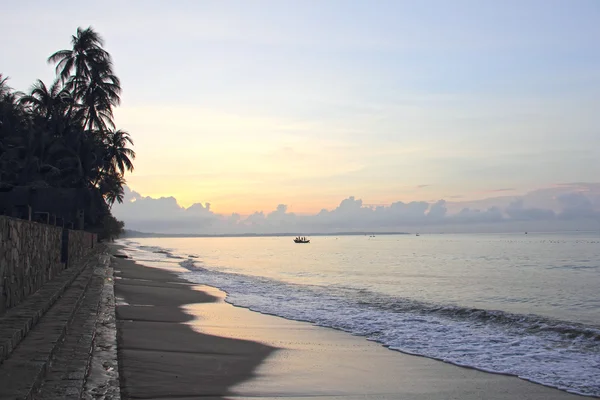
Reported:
(29, 257)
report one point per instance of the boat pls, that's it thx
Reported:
(301, 240)
(417, 234)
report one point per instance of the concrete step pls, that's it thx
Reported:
(23, 371)
(66, 376)
(16, 323)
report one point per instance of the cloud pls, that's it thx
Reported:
(437, 211)
(517, 211)
(566, 203)
(500, 190)
(162, 214)
(467, 215)
(577, 205)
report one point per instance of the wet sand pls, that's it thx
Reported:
(178, 340)
(159, 355)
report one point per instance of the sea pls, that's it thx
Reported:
(515, 304)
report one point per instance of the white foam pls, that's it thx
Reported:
(561, 355)
(543, 357)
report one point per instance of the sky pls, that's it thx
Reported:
(249, 105)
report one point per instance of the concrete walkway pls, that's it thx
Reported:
(50, 340)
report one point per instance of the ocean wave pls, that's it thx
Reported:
(574, 267)
(157, 250)
(191, 264)
(551, 352)
(526, 323)
(153, 249)
(168, 254)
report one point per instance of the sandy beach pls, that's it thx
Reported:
(179, 340)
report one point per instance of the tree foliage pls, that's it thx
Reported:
(63, 135)
(111, 227)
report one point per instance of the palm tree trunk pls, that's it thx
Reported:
(86, 122)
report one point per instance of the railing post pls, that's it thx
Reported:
(64, 253)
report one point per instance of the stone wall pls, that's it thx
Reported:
(80, 244)
(29, 257)
(31, 254)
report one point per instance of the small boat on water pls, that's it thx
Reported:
(301, 240)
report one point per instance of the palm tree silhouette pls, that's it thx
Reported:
(85, 56)
(86, 71)
(64, 135)
(98, 95)
(119, 156)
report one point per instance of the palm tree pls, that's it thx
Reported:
(86, 70)
(9, 108)
(118, 156)
(42, 100)
(98, 95)
(86, 55)
(50, 104)
(13, 134)
(111, 188)
(4, 88)
(47, 109)
(63, 135)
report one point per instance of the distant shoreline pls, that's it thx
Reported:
(137, 234)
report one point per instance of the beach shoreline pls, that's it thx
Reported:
(162, 357)
(191, 343)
